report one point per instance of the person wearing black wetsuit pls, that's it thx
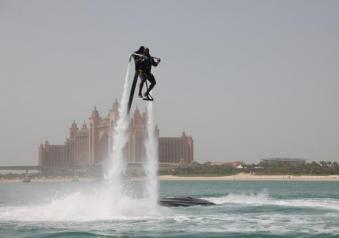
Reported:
(138, 60)
(146, 74)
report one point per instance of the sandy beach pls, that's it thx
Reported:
(248, 177)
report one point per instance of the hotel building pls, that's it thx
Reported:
(91, 145)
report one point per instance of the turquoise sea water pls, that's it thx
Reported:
(244, 209)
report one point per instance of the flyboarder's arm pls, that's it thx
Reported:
(138, 55)
(138, 58)
(144, 56)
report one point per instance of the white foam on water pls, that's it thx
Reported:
(245, 198)
(263, 198)
(82, 207)
(322, 203)
(274, 223)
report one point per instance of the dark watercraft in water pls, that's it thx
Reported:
(184, 202)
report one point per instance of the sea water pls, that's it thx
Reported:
(244, 209)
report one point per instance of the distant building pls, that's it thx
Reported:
(176, 149)
(90, 145)
(283, 160)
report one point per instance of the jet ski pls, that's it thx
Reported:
(185, 201)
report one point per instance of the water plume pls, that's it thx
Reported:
(151, 163)
(117, 182)
(117, 163)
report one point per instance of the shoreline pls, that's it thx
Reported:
(238, 177)
(248, 177)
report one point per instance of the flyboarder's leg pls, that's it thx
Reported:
(148, 97)
(141, 85)
(151, 79)
(136, 74)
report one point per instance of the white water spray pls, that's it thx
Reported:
(151, 163)
(117, 163)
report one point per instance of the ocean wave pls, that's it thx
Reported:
(253, 223)
(74, 234)
(263, 198)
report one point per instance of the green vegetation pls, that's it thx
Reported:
(262, 168)
(11, 175)
(205, 170)
(279, 168)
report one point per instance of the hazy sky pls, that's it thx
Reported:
(247, 79)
